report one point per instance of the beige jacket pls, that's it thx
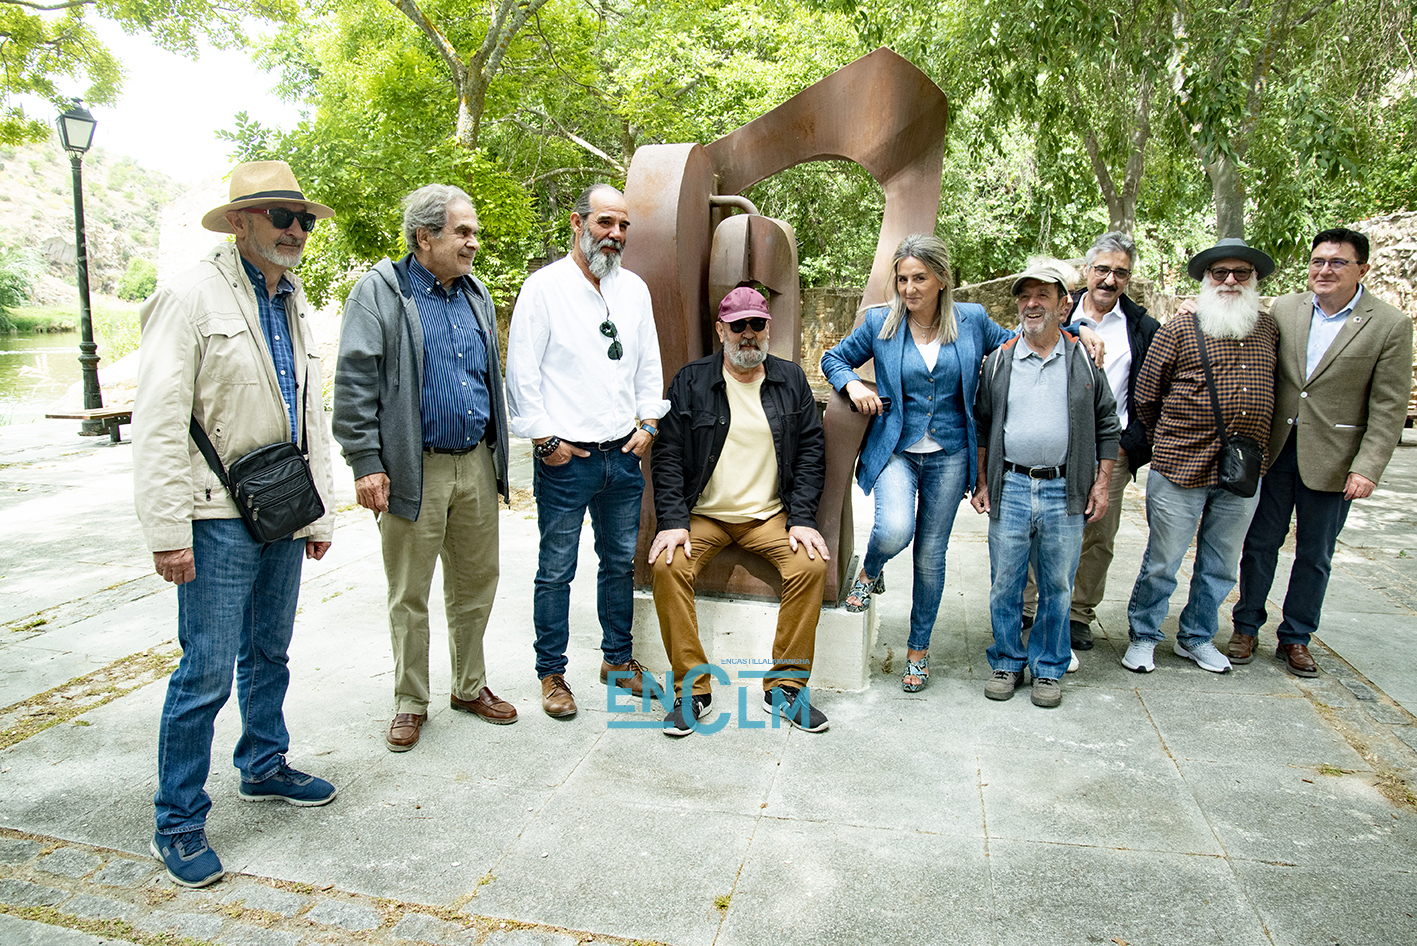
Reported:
(1351, 412)
(204, 354)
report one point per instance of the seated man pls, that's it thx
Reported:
(740, 458)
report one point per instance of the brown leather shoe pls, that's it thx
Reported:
(1241, 649)
(1297, 660)
(489, 706)
(404, 731)
(635, 684)
(556, 697)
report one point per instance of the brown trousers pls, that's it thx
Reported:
(803, 580)
(1098, 547)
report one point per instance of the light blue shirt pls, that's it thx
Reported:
(1324, 328)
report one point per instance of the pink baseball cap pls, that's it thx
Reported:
(745, 302)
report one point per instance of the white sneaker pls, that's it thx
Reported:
(1139, 656)
(1073, 662)
(1206, 656)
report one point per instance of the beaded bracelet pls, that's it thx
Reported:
(546, 447)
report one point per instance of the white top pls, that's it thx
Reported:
(560, 381)
(1117, 359)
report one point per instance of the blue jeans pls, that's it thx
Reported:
(1033, 528)
(1318, 516)
(611, 485)
(238, 612)
(1173, 514)
(917, 496)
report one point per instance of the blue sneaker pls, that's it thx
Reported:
(190, 860)
(291, 786)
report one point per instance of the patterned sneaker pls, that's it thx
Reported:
(190, 860)
(796, 707)
(677, 723)
(1206, 655)
(290, 786)
(1139, 656)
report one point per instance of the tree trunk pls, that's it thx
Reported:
(1228, 186)
(472, 97)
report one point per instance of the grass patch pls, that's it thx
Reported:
(115, 324)
(41, 320)
(720, 902)
(111, 929)
(1327, 769)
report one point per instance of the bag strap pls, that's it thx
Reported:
(1210, 382)
(204, 444)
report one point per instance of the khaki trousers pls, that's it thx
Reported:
(1098, 544)
(457, 522)
(803, 579)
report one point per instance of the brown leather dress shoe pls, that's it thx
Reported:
(1297, 660)
(489, 706)
(1241, 649)
(404, 731)
(631, 676)
(556, 697)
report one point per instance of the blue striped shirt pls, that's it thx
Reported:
(455, 401)
(275, 325)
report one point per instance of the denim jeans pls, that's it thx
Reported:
(1318, 519)
(1033, 528)
(1173, 514)
(238, 612)
(611, 485)
(917, 496)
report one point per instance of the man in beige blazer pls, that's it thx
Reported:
(1340, 401)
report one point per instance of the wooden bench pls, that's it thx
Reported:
(111, 418)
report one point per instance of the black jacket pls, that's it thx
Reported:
(1140, 328)
(692, 435)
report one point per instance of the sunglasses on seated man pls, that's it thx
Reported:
(282, 218)
(738, 325)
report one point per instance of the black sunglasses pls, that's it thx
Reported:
(607, 328)
(282, 218)
(738, 325)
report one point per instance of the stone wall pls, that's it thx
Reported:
(1392, 277)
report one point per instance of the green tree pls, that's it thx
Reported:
(17, 269)
(138, 280)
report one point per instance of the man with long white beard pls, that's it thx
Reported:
(1182, 491)
(741, 458)
(584, 384)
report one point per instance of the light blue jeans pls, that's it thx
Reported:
(1033, 528)
(238, 613)
(917, 496)
(1173, 514)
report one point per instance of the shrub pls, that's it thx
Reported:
(138, 281)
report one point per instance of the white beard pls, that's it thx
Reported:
(745, 358)
(1228, 315)
(599, 264)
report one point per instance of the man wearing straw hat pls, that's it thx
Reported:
(228, 343)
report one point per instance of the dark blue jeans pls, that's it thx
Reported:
(239, 612)
(1319, 517)
(608, 483)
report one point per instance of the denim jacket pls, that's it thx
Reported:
(692, 434)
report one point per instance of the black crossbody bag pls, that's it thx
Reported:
(1238, 464)
(271, 485)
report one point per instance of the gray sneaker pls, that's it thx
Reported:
(1047, 692)
(1002, 684)
(1139, 657)
(1206, 655)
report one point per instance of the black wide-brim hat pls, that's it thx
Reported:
(1229, 248)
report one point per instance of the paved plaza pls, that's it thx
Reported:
(1178, 807)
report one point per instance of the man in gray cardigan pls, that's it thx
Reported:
(1048, 435)
(422, 418)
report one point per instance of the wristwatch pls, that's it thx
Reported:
(649, 428)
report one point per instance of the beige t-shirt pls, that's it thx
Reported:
(743, 487)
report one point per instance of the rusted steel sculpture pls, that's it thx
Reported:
(880, 112)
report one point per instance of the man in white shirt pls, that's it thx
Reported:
(584, 384)
(1340, 401)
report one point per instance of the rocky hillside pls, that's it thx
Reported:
(121, 205)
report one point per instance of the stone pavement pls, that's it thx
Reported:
(1172, 808)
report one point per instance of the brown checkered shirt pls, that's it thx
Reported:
(1173, 402)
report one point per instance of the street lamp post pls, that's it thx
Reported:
(76, 133)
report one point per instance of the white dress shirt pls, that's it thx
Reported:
(1324, 328)
(560, 380)
(1117, 358)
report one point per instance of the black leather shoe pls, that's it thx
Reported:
(1081, 634)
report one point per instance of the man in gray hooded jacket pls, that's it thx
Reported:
(422, 418)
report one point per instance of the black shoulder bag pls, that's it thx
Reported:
(1238, 465)
(272, 485)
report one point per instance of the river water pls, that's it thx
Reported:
(35, 371)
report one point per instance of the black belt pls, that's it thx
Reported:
(605, 446)
(453, 451)
(1038, 472)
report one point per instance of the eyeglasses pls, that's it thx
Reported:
(1104, 271)
(1241, 273)
(282, 218)
(738, 325)
(1317, 265)
(607, 328)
